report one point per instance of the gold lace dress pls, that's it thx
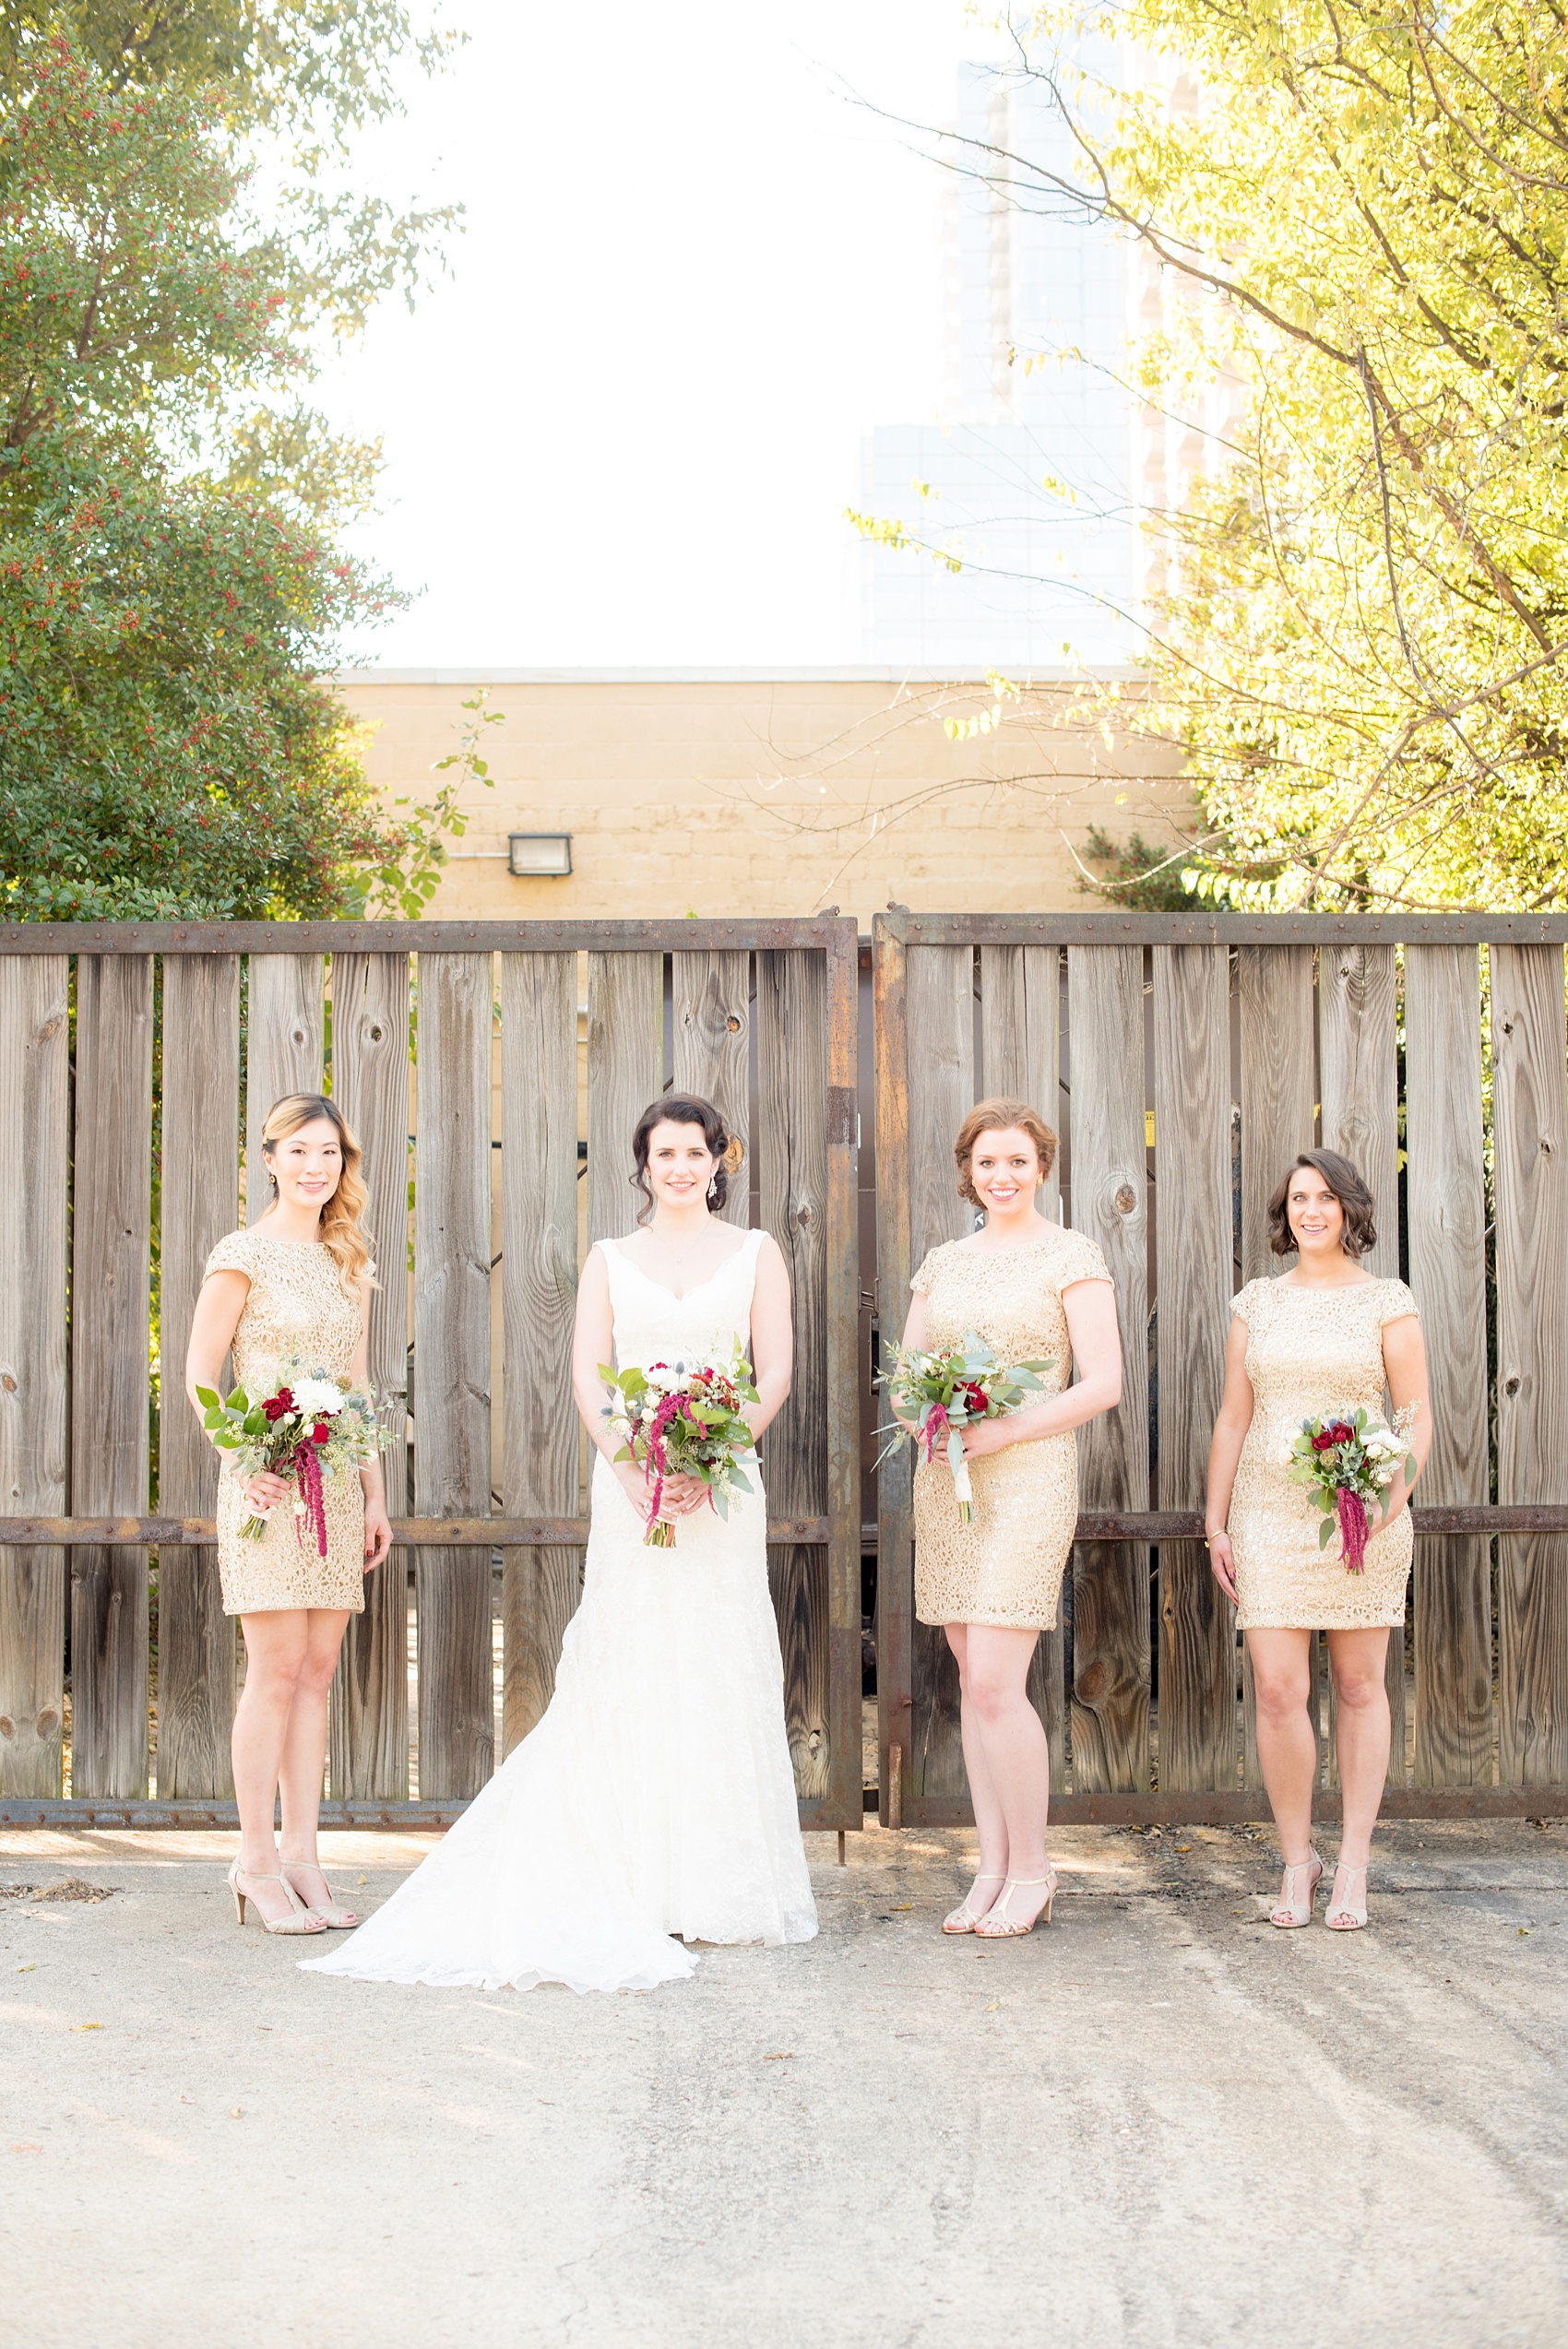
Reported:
(1310, 1350)
(296, 1310)
(1006, 1567)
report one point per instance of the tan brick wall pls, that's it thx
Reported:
(741, 795)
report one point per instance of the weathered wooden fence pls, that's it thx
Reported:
(508, 1097)
(1187, 1059)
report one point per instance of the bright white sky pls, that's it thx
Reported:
(623, 431)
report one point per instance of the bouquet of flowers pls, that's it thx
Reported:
(677, 1422)
(942, 1392)
(1347, 1459)
(309, 1427)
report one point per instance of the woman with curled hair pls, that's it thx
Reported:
(1323, 1337)
(294, 1284)
(656, 1799)
(1034, 1291)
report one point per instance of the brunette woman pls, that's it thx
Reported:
(1320, 1338)
(1032, 1290)
(296, 1283)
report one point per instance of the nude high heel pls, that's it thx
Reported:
(1345, 1915)
(339, 1920)
(300, 1919)
(963, 1920)
(1003, 1929)
(1295, 1909)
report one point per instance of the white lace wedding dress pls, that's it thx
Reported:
(656, 1796)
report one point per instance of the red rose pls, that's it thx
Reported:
(1324, 1443)
(1342, 1432)
(321, 1432)
(279, 1404)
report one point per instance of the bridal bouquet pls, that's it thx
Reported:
(309, 1428)
(942, 1392)
(676, 1422)
(1347, 1459)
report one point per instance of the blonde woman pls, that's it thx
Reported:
(295, 1283)
(1033, 1291)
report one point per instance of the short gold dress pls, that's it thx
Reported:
(1310, 1350)
(1006, 1568)
(296, 1311)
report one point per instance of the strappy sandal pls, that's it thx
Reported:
(1343, 1916)
(300, 1919)
(338, 1919)
(1293, 1909)
(1003, 1929)
(965, 1917)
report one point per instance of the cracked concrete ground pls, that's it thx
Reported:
(1157, 2122)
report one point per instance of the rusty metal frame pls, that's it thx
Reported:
(832, 935)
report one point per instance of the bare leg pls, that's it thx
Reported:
(305, 1753)
(276, 1641)
(1287, 1739)
(1009, 1737)
(987, 1802)
(1361, 1734)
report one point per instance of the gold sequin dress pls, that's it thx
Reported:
(1310, 1350)
(1006, 1568)
(296, 1311)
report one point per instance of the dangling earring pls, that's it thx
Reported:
(713, 1188)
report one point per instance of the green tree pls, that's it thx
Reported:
(170, 599)
(1358, 212)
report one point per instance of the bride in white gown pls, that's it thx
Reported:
(656, 1798)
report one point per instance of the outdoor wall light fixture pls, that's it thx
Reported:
(539, 856)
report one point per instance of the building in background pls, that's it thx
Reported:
(1027, 476)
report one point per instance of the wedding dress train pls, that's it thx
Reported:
(656, 1798)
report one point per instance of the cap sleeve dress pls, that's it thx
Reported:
(296, 1311)
(1006, 1567)
(1310, 1350)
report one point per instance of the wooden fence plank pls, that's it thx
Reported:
(1530, 1157)
(712, 1048)
(625, 1072)
(895, 1512)
(1279, 1117)
(1194, 1257)
(1021, 1056)
(451, 1401)
(1111, 1626)
(35, 1110)
(200, 1203)
(284, 1022)
(368, 1739)
(538, 1280)
(940, 1013)
(1445, 1190)
(792, 1118)
(1357, 1052)
(110, 1275)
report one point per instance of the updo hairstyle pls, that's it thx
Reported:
(685, 1109)
(1360, 1230)
(997, 1116)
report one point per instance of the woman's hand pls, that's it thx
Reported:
(681, 1496)
(1222, 1560)
(979, 1437)
(377, 1533)
(264, 1491)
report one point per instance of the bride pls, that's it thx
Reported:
(656, 1798)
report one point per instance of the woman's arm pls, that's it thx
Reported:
(220, 1302)
(593, 1341)
(772, 1334)
(1090, 1307)
(912, 1342)
(1405, 1362)
(1224, 1452)
(372, 1484)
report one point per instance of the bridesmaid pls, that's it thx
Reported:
(296, 1282)
(1032, 1291)
(1320, 1338)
